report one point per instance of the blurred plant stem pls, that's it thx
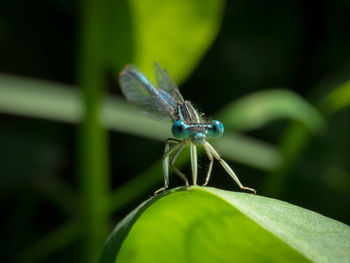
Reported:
(92, 148)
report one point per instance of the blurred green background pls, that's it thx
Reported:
(75, 158)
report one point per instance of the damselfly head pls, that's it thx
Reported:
(197, 132)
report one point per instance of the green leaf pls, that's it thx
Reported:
(338, 98)
(174, 33)
(255, 110)
(212, 225)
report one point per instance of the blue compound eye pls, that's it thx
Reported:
(179, 130)
(216, 129)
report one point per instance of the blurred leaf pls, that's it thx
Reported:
(212, 225)
(292, 143)
(61, 237)
(255, 110)
(249, 151)
(39, 99)
(174, 33)
(59, 192)
(338, 98)
(332, 94)
(59, 102)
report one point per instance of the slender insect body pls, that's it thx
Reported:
(189, 126)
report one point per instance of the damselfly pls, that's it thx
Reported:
(190, 127)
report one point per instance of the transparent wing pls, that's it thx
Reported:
(140, 91)
(165, 82)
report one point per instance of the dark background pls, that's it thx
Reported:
(299, 45)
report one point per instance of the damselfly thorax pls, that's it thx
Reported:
(193, 121)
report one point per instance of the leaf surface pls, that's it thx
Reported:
(212, 225)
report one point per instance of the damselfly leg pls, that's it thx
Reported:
(172, 147)
(211, 162)
(228, 169)
(194, 162)
(172, 164)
